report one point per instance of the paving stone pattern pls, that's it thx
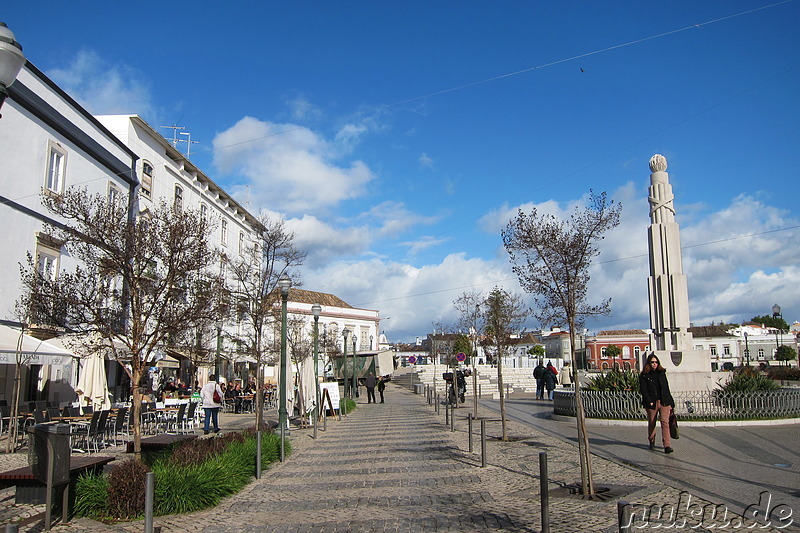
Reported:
(398, 467)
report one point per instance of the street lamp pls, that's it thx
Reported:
(354, 388)
(776, 314)
(347, 392)
(746, 349)
(316, 309)
(284, 283)
(11, 60)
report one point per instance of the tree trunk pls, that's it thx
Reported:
(13, 422)
(259, 394)
(136, 405)
(502, 396)
(587, 483)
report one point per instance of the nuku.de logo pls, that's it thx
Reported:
(693, 514)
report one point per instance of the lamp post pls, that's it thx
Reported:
(746, 349)
(354, 389)
(316, 309)
(347, 392)
(284, 283)
(776, 314)
(11, 60)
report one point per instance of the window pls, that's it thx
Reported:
(241, 242)
(626, 352)
(114, 195)
(178, 205)
(713, 349)
(48, 255)
(636, 352)
(603, 352)
(726, 350)
(224, 237)
(204, 211)
(56, 168)
(146, 186)
(761, 353)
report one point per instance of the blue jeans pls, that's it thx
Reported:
(212, 416)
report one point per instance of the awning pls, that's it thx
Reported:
(33, 351)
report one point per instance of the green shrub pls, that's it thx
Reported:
(194, 475)
(747, 379)
(91, 495)
(615, 380)
(347, 405)
(126, 484)
(783, 372)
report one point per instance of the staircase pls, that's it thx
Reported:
(517, 380)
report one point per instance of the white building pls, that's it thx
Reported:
(48, 142)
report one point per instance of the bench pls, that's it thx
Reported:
(158, 443)
(32, 491)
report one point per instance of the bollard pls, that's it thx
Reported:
(283, 437)
(483, 443)
(447, 415)
(623, 516)
(12, 528)
(453, 419)
(437, 403)
(315, 422)
(258, 454)
(508, 391)
(324, 420)
(149, 489)
(545, 494)
(480, 391)
(469, 430)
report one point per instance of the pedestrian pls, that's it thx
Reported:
(656, 400)
(566, 376)
(538, 375)
(211, 394)
(382, 386)
(550, 378)
(370, 383)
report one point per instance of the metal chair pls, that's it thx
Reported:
(190, 420)
(174, 419)
(53, 413)
(84, 431)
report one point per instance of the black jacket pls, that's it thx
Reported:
(653, 386)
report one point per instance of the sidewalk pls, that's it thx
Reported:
(397, 467)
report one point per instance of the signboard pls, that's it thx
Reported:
(333, 392)
(412, 360)
(461, 357)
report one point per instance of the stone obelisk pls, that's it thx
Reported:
(667, 285)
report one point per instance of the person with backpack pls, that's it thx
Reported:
(538, 374)
(550, 379)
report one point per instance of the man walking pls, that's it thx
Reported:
(538, 374)
(370, 383)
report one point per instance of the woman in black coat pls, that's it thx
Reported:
(657, 400)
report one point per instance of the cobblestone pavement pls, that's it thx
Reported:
(398, 467)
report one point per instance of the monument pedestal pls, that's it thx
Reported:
(689, 370)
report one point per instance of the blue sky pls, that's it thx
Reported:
(396, 139)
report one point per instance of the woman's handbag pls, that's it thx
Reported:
(673, 425)
(218, 399)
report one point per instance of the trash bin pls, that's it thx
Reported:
(419, 388)
(57, 436)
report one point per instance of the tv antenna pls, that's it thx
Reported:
(188, 142)
(175, 129)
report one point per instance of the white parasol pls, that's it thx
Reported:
(92, 385)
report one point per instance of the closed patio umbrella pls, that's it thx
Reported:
(92, 385)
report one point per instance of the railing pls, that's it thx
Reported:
(697, 405)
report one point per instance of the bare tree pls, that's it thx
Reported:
(468, 305)
(141, 282)
(503, 316)
(254, 296)
(551, 258)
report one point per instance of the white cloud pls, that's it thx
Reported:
(290, 168)
(103, 88)
(423, 243)
(425, 161)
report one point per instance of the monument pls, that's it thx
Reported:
(670, 339)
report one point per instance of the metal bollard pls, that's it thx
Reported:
(543, 489)
(283, 442)
(437, 403)
(453, 418)
(149, 489)
(508, 391)
(480, 390)
(447, 415)
(624, 516)
(483, 443)
(469, 430)
(258, 454)
(316, 408)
